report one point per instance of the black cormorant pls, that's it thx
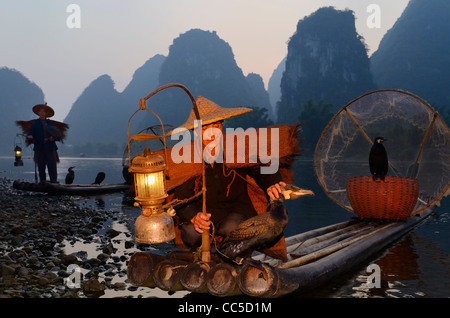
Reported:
(70, 176)
(378, 159)
(128, 176)
(263, 229)
(99, 178)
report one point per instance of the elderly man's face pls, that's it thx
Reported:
(210, 132)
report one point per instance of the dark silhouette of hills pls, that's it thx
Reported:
(18, 95)
(326, 67)
(145, 80)
(327, 61)
(262, 98)
(197, 59)
(205, 65)
(414, 54)
(93, 115)
(98, 118)
(274, 89)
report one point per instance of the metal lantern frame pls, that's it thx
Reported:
(149, 179)
(18, 162)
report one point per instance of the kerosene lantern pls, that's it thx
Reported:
(154, 225)
(18, 156)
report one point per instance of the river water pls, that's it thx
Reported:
(416, 266)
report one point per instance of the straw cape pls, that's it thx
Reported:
(61, 127)
(58, 129)
(288, 150)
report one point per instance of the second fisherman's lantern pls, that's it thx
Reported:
(18, 156)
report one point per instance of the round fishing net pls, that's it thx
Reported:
(418, 145)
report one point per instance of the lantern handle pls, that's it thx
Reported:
(143, 106)
(197, 114)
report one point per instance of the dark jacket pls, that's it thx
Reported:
(39, 131)
(226, 192)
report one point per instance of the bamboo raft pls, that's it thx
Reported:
(69, 189)
(315, 257)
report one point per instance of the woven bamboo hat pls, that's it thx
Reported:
(49, 111)
(210, 113)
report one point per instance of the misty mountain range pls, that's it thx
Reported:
(322, 67)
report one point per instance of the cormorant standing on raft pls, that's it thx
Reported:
(128, 176)
(378, 159)
(99, 178)
(70, 176)
(261, 230)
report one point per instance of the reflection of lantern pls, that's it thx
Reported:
(154, 225)
(18, 155)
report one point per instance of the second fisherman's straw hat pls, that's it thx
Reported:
(210, 113)
(48, 110)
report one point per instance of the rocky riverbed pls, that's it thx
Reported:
(51, 246)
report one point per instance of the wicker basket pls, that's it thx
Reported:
(393, 199)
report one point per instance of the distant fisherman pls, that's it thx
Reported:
(44, 134)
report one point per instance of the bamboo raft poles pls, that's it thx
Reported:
(283, 279)
(315, 257)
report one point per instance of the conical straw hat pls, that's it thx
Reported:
(49, 111)
(210, 112)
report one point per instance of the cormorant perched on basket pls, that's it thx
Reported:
(99, 178)
(70, 176)
(378, 159)
(263, 229)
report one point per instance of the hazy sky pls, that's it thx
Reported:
(43, 40)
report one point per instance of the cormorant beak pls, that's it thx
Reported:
(294, 194)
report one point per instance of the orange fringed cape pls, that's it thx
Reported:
(260, 151)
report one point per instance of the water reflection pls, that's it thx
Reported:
(412, 267)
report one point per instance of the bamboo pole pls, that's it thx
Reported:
(258, 282)
(141, 267)
(331, 249)
(168, 273)
(194, 275)
(326, 236)
(222, 280)
(328, 242)
(299, 238)
(206, 244)
(315, 232)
